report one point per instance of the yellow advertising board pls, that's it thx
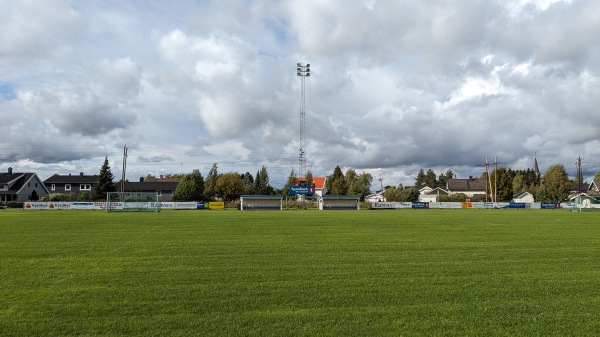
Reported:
(216, 205)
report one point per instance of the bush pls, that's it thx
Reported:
(84, 196)
(58, 197)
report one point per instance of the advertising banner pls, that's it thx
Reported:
(445, 204)
(418, 204)
(302, 190)
(549, 205)
(390, 205)
(216, 205)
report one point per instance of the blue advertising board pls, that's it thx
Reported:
(550, 205)
(418, 204)
(305, 190)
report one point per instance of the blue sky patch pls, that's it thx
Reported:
(7, 92)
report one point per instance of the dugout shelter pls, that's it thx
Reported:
(261, 202)
(339, 202)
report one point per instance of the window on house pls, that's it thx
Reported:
(28, 184)
(4, 187)
(67, 187)
(53, 187)
(36, 185)
(85, 187)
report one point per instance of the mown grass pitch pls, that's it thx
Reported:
(300, 273)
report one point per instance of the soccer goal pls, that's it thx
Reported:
(132, 202)
(582, 203)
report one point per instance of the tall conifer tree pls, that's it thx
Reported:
(105, 182)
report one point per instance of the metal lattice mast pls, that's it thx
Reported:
(303, 72)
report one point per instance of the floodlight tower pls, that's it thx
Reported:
(303, 71)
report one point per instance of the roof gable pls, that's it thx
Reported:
(319, 182)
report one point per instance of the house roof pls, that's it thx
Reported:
(477, 184)
(162, 180)
(319, 182)
(521, 195)
(6, 178)
(72, 179)
(18, 181)
(150, 186)
(436, 191)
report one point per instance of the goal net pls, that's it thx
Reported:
(132, 202)
(582, 203)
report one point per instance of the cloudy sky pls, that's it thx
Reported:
(395, 86)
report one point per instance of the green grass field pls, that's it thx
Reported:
(300, 273)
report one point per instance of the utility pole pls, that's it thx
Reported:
(496, 162)
(488, 178)
(124, 169)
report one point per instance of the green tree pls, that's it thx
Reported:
(518, 183)
(291, 181)
(210, 184)
(501, 180)
(443, 178)
(393, 193)
(229, 186)
(400, 194)
(597, 176)
(504, 184)
(430, 178)
(358, 184)
(337, 182)
(309, 178)
(261, 184)
(190, 187)
(105, 182)
(248, 183)
(556, 183)
(420, 180)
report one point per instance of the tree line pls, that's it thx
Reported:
(553, 185)
(230, 186)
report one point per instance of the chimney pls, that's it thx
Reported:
(161, 176)
(81, 174)
(10, 171)
(141, 179)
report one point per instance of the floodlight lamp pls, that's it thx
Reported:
(308, 65)
(307, 74)
(299, 69)
(298, 65)
(299, 74)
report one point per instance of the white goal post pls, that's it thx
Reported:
(132, 202)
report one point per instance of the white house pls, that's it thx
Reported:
(525, 197)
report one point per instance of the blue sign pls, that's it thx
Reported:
(200, 205)
(516, 205)
(550, 205)
(418, 204)
(305, 190)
